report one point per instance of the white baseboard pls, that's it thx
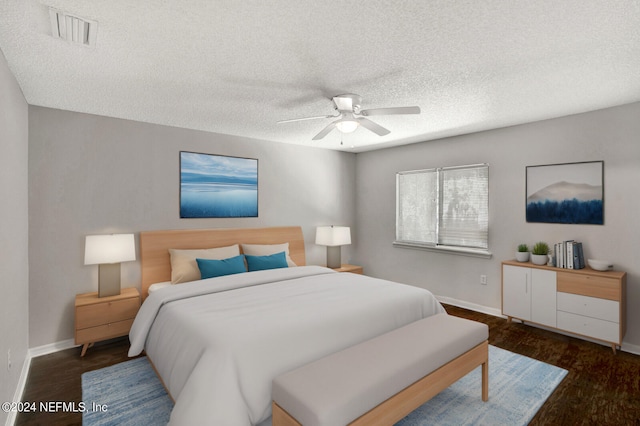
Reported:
(24, 374)
(17, 396)
(51, 348)
(626, 347)
(471, 306)
(633, 349)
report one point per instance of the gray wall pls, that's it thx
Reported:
(14, 232)
(90, 175)
(610, 135)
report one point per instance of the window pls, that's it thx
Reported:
(445, 208)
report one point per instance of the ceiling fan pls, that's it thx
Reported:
(351, 116)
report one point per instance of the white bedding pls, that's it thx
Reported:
(158, 286)
(217, 353)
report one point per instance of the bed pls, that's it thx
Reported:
(217, 343)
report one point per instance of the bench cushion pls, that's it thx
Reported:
(339, 388)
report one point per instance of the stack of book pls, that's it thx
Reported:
(569, 255)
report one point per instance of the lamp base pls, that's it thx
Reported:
(108, 279)
(334, 257)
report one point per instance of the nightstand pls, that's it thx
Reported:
(102, 318)
(355, 269)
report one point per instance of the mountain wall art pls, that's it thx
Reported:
(570, 193)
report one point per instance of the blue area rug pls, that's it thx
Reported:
(518, 386)
(128, 393)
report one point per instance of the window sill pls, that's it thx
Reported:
(486, 254)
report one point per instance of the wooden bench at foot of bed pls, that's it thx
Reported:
(380, 381)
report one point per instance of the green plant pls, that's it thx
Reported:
(540, 248)
(522, 248)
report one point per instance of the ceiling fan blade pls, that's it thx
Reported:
(324, 132)
(307, 118)
(391, 111)
(370, 125)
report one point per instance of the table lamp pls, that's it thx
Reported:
(108, 251)
(334, 237)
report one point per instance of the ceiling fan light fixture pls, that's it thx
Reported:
(347, 125)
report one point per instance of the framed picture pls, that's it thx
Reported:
(217, 186)
(566, 193)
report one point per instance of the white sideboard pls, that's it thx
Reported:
(584, 302)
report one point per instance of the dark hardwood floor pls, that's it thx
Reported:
(56, 378)
(600, 389)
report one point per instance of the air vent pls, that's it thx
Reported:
(72, 28)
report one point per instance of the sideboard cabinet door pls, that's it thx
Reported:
(543, 297)
(516, 292)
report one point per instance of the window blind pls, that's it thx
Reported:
(443, 207)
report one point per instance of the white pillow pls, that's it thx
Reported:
(267, 249)
(158, 286)
(184, 266)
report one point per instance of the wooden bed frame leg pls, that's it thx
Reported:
(280, 417)
(485, 381)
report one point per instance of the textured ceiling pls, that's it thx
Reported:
(237, 67)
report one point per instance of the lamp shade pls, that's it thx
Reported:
(114, 248)
(333, 235)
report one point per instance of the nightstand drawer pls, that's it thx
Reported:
(105, 313)
(103, 332)
(101, 318)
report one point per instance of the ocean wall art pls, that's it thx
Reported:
(217, 186)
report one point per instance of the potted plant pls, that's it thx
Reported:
(539, 253)
(522, 255)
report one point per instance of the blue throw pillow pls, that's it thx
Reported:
(260, 263)
(210, 268)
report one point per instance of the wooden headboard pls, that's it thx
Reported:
(154, 246)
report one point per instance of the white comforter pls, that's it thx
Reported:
(217, 353)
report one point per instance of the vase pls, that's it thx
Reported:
(522, 256)
(539, 259)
